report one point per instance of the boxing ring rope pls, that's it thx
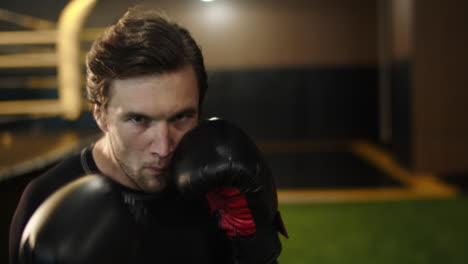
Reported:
(67, 58)
(26, 21)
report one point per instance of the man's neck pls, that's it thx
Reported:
(107, 163)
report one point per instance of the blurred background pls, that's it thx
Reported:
(359, 106)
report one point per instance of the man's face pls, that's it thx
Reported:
(144, 122)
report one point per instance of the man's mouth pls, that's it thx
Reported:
(156, 170)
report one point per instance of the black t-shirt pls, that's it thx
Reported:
(173, 230)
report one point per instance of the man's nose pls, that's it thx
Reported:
(161, 142)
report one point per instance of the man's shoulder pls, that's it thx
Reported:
(60, 174)
(66, 168)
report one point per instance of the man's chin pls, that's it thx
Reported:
(155, 186)
(153, 183)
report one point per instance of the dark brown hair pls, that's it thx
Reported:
(140, 43)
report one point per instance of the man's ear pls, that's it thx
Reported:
(99, 114)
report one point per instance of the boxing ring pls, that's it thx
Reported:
(67, 59)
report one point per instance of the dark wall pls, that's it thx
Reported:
(401, 111)
(440, 81)
(298, 103)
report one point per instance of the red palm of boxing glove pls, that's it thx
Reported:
(233, 211)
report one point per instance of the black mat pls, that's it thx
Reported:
(327, 170)
(458, 179)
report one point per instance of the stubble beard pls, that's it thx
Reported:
(127, 170)
(142, 180)
(138, 178)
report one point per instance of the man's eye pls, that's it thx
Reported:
(137, 119)
(179, 117)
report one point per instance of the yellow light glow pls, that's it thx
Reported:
(217, 16)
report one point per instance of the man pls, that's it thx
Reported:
(146, 81)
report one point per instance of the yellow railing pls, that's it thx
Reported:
(67, 58)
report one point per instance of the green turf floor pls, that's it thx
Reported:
(424, 231)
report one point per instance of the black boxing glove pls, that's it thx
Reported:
(85, 221)
(218, 161)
